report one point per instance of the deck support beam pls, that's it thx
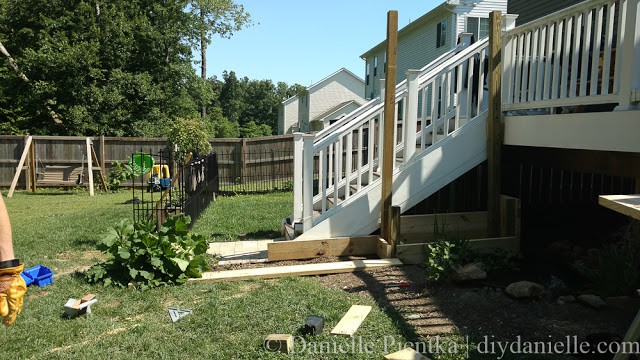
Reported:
(495, 127)
(388, 146)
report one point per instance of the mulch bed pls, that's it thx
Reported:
(477, 309)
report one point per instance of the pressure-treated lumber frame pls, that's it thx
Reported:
(296, 270)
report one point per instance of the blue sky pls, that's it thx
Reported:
(306, 40)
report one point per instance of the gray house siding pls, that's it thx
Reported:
(415, 49)
(530, 10)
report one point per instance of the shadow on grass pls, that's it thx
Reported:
(260, 234)
(91, 243)
(67, 192)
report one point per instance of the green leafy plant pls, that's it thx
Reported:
(447, 252)
(287, 185)
(118, 173)
(613, 269)
(147, 258)
(498, 260)
(190, 136)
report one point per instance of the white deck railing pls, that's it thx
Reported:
(341, 163)
(580, 55)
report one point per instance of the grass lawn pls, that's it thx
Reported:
(245, 217)
(229, 320)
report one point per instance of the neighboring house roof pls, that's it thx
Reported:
(322, 82)
(448, 5)
(335, 108)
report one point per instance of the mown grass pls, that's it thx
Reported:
(229, 320)
(245, 217)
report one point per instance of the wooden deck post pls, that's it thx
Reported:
(307, 181)
(411, 118)
(495, 128)
(388, 146)
(297, 177)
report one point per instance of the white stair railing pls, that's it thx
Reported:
(450, 93)
(581, 55)
(376, 101)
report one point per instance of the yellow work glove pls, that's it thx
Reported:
(12, 290)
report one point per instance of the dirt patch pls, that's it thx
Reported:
(77, 255)
(242, 290)
(478, 309)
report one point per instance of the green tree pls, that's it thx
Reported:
(106, 67)
(190, 136)
(251, 129)
(221, 17)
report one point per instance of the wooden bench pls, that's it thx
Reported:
(61, 175)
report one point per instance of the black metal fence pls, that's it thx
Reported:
(257, 170)
(165, 186)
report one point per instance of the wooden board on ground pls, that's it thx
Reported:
(296, 270)
(309, 249)
(405, 354)
(416, 253)
(352, 320)
(625, 204)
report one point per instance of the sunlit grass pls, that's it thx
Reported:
(245, 217)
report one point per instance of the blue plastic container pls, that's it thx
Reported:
(27, 278)
(41, 275)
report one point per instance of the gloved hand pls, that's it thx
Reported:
(12, 290)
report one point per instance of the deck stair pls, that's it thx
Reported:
(557, 64)
(339, 194)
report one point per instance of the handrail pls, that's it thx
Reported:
(427, 72)
(353, 123)
(571, 10)
(401, 85)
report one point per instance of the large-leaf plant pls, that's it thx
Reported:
(144, 257)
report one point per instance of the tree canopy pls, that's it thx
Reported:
(123, 68)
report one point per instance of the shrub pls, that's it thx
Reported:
(190, 135)
(147, 258)
(613, 269)
(118, 173)
(447, 252)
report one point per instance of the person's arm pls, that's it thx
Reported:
(6, 241)
(12, 286)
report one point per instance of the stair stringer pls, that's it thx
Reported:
(413, 182)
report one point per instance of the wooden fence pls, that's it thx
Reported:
(253, 164)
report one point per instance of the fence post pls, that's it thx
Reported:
(243, 160)
(629, 74)
(297, 177)
(102, 157)
(411, 119)
(273, 169)
(307, 182)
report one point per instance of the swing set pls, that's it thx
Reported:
(58, 175)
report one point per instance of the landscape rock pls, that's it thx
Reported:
(592, 300)
(469, 272)
(524, 289)
(566, 299)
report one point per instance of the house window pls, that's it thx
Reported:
(375, 66)
(367, 73)
(479, 27)
(384, 68)
(441, 35)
